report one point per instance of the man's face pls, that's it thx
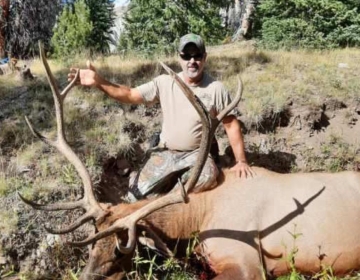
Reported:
(192, 62)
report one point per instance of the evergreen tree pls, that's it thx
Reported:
(102, 16)
(309, 23)
(156, 26)
(73, 29)
(84, 24)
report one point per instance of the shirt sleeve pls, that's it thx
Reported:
(223, 99)
(149, 92)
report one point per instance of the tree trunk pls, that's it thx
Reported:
(4, 15)
(247, 11)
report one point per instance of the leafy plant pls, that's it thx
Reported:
(291, 256)
(150, 265)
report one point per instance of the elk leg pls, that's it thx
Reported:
(236, 272)
(234, 261)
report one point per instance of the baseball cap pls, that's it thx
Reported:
(194, 39)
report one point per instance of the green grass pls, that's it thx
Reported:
(335, 155)
(8, 222)
(149, 265)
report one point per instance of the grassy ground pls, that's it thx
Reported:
(99, 128)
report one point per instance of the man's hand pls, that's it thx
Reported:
(87, 77)
(243, 170)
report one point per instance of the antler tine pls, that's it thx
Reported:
(51, 79)
(126, 224)
(209, 127)
(38, 134)
(233, 103)
(79, 221)
(88, 202)
(52, 207)
(61, 206)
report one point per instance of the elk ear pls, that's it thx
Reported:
(151, 240)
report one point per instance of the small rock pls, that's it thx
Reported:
(52, 239)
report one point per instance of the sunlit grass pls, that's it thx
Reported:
(8, 222)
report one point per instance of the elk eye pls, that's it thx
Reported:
(117, 253)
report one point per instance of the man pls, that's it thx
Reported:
(181, 127)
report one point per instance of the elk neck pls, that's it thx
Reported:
(183, 219)
(173, 221)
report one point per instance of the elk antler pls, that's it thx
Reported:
(209, 126)
(88, 202)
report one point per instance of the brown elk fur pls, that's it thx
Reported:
(250, 226)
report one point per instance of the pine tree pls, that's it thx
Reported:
(308, 23)
(73, 29)
(102, 16)
(84, 24)
(155, 26)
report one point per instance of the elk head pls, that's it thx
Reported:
(117, 225)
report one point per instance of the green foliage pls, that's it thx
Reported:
(151, 265)
(102, 16)
(335, 155)
(157, 25)
(84, 24)
(291, 33)
(308, 23)
(73, 29)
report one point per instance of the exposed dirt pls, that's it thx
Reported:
(306, 129)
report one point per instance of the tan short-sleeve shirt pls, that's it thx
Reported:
(181, 127)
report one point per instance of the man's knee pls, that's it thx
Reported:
(208, 177)
(205, 186)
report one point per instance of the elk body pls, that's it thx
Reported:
(248, 228)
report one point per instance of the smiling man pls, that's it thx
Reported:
(181, 128)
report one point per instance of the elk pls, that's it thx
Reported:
(246, 226)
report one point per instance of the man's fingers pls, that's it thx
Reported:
(249, 172)
(252, 172)
(243, 172)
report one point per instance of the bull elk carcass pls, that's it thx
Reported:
(248, 228)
